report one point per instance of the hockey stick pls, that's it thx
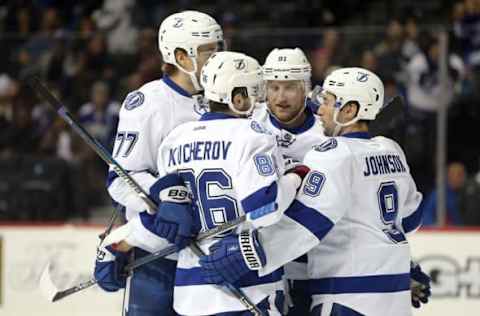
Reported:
(36, 84)
(390, 115)
(53, 294)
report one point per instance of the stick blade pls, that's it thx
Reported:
(48, 289)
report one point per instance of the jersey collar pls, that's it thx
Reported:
(169, 82)
(209, 116)
(363, 135)
(309, 122)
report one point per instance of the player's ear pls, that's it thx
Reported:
(239, 100)
(183, 60)
(350, 110)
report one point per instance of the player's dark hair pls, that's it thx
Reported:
(222, 107)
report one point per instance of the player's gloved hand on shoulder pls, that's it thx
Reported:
(232, 257)
(419, 285)
(294, 166)
(109, 268)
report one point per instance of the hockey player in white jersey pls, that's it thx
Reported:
(287, 74)
(232, 166)
(351, 213)
(186, 40)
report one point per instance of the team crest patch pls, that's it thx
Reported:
(134, 100)
(259, 128)
(326, 145)
(201, 104)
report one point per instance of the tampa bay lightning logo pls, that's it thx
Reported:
(200, 106)
(134, 100)
(178, 22)
(239, 64)
(362, 76)
(259, 128)
(326, 145)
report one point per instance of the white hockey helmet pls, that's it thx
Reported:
(187, 30)
(355, 84)
(287, 64)
(225, 71)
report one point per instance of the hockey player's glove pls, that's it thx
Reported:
(233, 257)
(109, 269)
(173, 221)
(294, 166)
(419, 285)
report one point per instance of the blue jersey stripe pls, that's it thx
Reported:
(112, 175)
(311, 219)
(260, 198)
(361, 284)
(193, 276)
(412, 221)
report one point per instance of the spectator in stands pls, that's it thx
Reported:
(388, 51)
(469, 201)
(368, 60)
(100, 115)
(115, 19)
(456, 176)
(34, 53)
(425, 91)
(410, 43)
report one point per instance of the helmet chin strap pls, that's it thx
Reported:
(192, 74)
(338, 125)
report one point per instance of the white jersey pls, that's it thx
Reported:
(232, 166)
(352, 213)
(146, 117)
(293, 143)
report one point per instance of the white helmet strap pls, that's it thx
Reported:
(192, 74)
(338, 125)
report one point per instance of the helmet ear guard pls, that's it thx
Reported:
(225, 71)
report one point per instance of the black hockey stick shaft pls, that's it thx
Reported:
(393, 109)
(37, 85)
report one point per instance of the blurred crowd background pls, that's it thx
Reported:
(92, 53)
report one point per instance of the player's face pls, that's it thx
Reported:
(325, 111)
(204, 52)
(285, 98)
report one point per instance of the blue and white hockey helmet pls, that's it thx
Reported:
(187, 30)
(356, 84)
(287, 64)
(225, 71)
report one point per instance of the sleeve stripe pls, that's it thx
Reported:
(413, 221)
(112, 175)
(311, 219)
(260, 198)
